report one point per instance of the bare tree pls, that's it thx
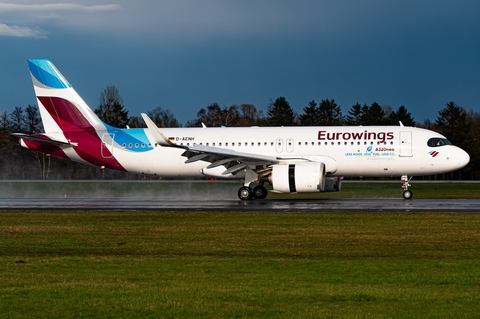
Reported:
(163, 118)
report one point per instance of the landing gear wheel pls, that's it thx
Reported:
(245, 193)
(407, 194)
(260, 192)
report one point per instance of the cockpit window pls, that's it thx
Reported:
(435, 142)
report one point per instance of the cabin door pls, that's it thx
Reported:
(406, 144)
(107, 145)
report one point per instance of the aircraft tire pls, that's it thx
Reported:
(407, 194)
(260, 192)
(245, 193)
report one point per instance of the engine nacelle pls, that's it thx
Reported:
(300, 177)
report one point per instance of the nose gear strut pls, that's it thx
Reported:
(407, 194)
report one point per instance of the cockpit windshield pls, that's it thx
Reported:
(436, 141)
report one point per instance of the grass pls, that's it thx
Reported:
(243, 265)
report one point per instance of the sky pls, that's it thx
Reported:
(183, 55)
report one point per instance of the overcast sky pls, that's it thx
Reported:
(183, 55)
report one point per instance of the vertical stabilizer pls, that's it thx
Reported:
(61, 108)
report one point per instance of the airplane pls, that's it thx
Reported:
(291, 159)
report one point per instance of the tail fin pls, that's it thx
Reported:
(61, 108)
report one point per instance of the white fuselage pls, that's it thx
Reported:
(346, 151)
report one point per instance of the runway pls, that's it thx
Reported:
(267, 205)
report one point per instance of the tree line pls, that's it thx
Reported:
(462, 128)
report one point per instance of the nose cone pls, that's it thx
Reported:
(461, 158)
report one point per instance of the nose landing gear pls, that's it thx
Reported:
(407, 194)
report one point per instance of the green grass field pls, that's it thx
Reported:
(239, 265)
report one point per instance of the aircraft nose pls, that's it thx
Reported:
(462, 158)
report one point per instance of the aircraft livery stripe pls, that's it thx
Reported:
(77, 129)
(46, 73)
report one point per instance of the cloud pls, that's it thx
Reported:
(49, 7)
(21, 20)
(23, 32)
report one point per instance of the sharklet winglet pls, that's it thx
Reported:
(158, 135)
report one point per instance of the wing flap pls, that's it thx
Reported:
(224, 153)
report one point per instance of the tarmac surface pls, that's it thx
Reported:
(266, 205)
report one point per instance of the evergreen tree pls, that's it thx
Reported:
(354, 115)
(310, 115)
(330, 113)
(452, 123)
(111, 109)
(401, 115)
(280, 113)
(372, 115)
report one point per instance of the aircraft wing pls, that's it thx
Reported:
(232, 160)
(42, 139)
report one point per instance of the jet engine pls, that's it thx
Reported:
(299, 177)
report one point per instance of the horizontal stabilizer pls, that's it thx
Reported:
(42, 139)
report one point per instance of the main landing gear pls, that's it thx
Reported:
(246, 192)
(258, 192)
(407, 194)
